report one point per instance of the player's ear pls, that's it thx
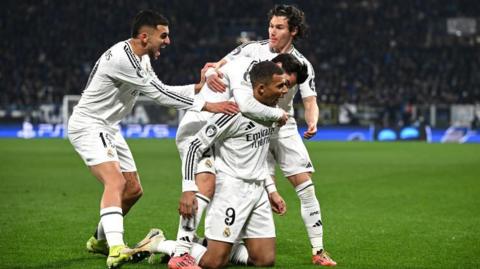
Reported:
(261, 88)
(143, 36)
(294, 31)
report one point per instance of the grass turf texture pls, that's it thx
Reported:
(384, 205)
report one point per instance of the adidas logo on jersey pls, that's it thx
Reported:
(250, 126)
(309, 165)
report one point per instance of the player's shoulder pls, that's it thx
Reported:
(250, 45)
(119, 49)
(295, 52)
(239, 67)
(219, 122)
(121, 53)
(303, 60)
(241, 62)
(256, 43)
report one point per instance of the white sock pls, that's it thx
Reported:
(197, 252)
(166, 247)
(112, 222)
(99, 233)
(311, 215)
(239, 254)
(188, 227)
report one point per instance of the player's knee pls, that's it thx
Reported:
(206, 184)
(214, 263)
(263, 260)
(133, 188)
(133, 191)
(208, 190)
(137, 192)
(216, 257)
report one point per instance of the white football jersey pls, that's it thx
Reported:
(116, 80)
(238, 86)
(241, 148)
(261, 51)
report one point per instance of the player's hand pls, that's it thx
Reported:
(187, 207)
(215, 82)
(310, 132)
(227, 107)
(283, 120)
(278, 204)
(203, 72)
(203, 77)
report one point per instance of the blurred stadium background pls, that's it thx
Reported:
(378, 63)
(385, 70)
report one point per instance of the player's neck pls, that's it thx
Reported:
(260, 98)
(137, 47)
(285, 49)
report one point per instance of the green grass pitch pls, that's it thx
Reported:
(384, 205)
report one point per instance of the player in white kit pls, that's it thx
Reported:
(287, 23)
(121, 74)
(197, 194)
(240, 209)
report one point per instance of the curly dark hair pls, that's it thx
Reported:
(295, 17)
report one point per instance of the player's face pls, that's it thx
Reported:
(280, 37)
(290, 78)
(275, 90)
(158, 39)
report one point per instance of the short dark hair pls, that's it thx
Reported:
(147, 18)
(292, 65)
(295, 17)
(263, 72)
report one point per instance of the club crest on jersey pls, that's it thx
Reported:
(237, 50)
(226, 232)
(110, 153)
(211, 130)
(141, 73)
(108, 55)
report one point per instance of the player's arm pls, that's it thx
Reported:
(276, 200)
(309, 97)
(218, 126)
(311, 116)
(252, 108)
(214, 76)
(126, 68)
(236, 75)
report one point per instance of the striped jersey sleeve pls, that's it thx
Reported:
(236, 74)
(128, 69)
(217, 127)
(307, 88)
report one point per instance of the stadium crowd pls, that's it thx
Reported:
(378, 53)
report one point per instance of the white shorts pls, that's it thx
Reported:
(290, 154)
(99, 145)
(239, 209)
